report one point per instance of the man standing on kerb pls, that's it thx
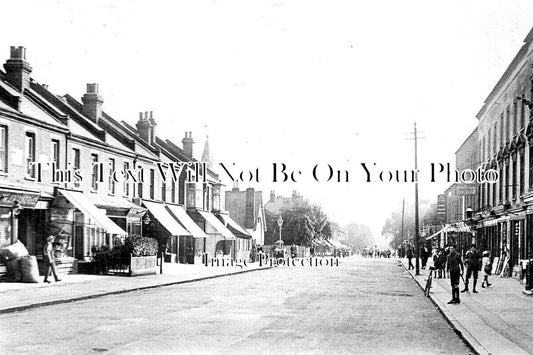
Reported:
(455, 266)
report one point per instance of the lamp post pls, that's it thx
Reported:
(280, 223)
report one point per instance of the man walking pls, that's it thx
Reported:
(455, 266)
(49, 260)
(473, 264)
(409, 255)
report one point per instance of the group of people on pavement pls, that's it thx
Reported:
(449, 261)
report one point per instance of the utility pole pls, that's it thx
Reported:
(403, 214)
(417, 231)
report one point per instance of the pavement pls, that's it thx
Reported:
(17, 296)
(497, 320)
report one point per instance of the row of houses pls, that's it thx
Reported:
(497, 217)
(70, 169)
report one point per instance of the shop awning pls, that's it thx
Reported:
(235, 227)
(435, 234)
(212, 220)
(159, 211)
(460, 227)
(81, 202)
(179, 213)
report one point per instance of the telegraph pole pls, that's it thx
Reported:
(403, 214)
(417, 232)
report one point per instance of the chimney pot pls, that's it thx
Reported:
(92, 103)
(140, 116)
(188, 143)
(17, 69)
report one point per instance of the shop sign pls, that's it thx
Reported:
(8, 198)
(465, 190)
(61, 214)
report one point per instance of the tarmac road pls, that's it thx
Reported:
(364, 306)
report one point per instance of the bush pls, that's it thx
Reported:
(141, 246)
(119, 257)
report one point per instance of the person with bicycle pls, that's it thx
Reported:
(455, 266)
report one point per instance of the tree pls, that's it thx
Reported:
(359, 236)
(392, 229)
(301, 225)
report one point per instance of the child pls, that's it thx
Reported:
(486, 268)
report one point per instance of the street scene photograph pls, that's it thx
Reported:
(270, 177)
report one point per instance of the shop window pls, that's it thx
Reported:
(111, 180)
(30, 154)
(3, 148)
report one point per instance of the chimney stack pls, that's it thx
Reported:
(18, 70)
(272, 196)
(188, 143)
(92, 103)
(146, 127)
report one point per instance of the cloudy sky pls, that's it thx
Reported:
(294, 82)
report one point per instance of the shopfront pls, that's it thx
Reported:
(24, 216)
(80, 227)
(220, 241)
(243, 243)
(191, 248)
(159, 224)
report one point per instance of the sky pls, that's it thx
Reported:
(299, 83)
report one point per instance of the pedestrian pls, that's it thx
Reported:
(437, 262)
(49, 259)
(454, 265)
(486, 268)
(473, 264)
(409, 255)
(442, 262)
(424, 256)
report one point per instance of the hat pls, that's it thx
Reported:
(486, 252)
(50, 238)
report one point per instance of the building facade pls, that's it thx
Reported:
(504, 219)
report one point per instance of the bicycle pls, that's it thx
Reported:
(429, 281)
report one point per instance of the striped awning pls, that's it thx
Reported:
(82, 203)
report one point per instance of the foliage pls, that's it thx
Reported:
(119, 257)
(392, 229)
(141, 246)
(359, 236)
(301, 225)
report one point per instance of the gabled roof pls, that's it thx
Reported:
(30, 104)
